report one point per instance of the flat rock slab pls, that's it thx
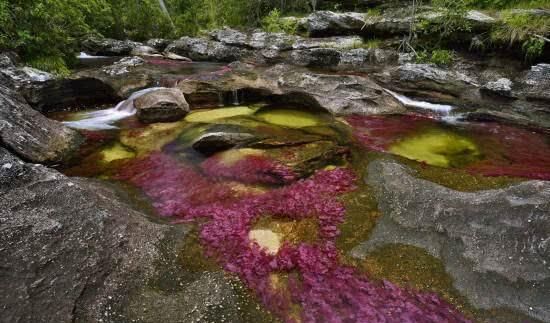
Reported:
(495, 244)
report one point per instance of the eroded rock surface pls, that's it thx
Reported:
(75, 250)
(30, 134)
(495, 244)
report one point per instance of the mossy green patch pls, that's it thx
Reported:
(289, 118)
(212, 115)
(438, 147)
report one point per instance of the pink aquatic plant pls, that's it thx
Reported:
(321, 287)
(506, 150)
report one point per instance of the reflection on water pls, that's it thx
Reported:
(281, 210)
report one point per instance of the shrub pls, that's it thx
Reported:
(275, 24)
(453, 19)
(440, 57)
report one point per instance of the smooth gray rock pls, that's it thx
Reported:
(76, 250)
(202, 49)
(31, 135)
(161, 105)
(495, 244)
(108, 47)
(158, 43)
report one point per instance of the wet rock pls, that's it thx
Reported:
(161, 105)
(428, 77)
(75, 250)
(30, 134)
(337, 94)
(365, 58)
(22, 77)
(316, 57)
(144, 51)
(158, 44)
(323, 23)
(202, 49)
(502, 87)
(329, 42)
(537, 82)
(222, 137)
(123, 66)
(255, 40)
(108, 47)
(495, 244)
(177, 57)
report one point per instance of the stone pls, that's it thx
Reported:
(502, 87)
(108, 47)
(31, 135)
(177, 57)
(316, 57)
(495, 244)
(123, 66)
(144, 51)
(222, 137)
(202, 49)
(325, 23)
(537, 82)
(161, 105)
(158, 44)
(77, 250)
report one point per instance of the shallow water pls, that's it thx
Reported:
(281, 212)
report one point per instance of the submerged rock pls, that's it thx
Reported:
(161, 105)
(30, 134)
(495, 244)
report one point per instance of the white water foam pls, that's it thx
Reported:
(408, 102)
(84, 55)
(105, 119)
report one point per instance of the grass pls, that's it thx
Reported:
(440, 57)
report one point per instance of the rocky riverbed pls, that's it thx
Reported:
(253, 176)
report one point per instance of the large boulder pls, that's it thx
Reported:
(202, 49)
(76, 250)
(161, 105)
(337, 94)
(108, 47)
(30, 134)
(495, 244)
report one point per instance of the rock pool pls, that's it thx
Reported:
(282, 207)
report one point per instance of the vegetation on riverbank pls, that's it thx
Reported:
(46, 33)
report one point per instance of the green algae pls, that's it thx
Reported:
(438, 147)
(153, 137)
(289, 118)
(211, 115)
(413, 267)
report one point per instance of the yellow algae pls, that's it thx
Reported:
(211, 115)
(116, 152)
(289, 118)
(153, 137)
(230, 157)
(266, 239)
(438, 148)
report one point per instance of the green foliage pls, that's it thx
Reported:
(52, 64)
(440, 57)
(453, 19)
(274, 23)
(533, 48)
(523, 29)
(502, 4)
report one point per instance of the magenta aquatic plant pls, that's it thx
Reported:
(506, 150)
(319, 287)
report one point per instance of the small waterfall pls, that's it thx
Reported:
(236, 97)
(84, 55)
(408, 102)
(105, 119)
(221, 101)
